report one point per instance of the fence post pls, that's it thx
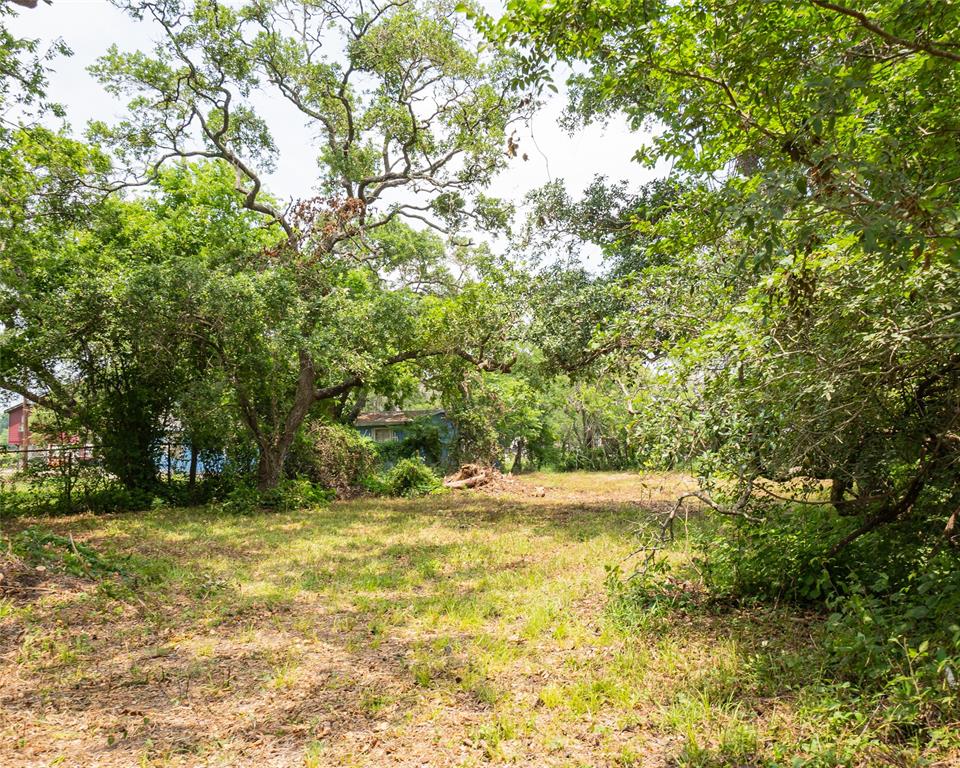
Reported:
(192, 480)
(68, 485)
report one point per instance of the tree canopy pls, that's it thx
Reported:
(783, 305)
(333, 294)
(798, 275)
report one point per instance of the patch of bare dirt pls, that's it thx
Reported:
(22, 582)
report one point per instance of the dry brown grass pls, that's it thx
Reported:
(458, 630)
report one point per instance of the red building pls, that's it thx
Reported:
(18, 433)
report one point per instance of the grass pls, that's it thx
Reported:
(458, 630)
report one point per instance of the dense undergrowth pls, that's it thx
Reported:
(879, 673)
(328, 460)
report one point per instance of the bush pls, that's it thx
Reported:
(375, 484)
(115, 498)
(331, 456)
(890, 636)
(422, 437)
(784, 559)
(411, 477)
(81, 484)
(289, 495)
(243, 499)
(84, 486)
(298, 493)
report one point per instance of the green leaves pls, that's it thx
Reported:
(395, 98)
(791, 279)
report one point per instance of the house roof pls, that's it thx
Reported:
(393, 418)
(14, 407)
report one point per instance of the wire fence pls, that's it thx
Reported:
(16, 460)
(173, 460)
(74, 476)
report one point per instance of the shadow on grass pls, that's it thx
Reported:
(274, 676)
(269, 631)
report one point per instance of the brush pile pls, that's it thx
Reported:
(489, 479)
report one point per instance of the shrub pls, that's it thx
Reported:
(331, 456)
(298, 493)
(289, 495)
(61, 489)
(411, 477)
(115, 498)
(784, 559)
(422, 437)
(242, 499)
(375, 484)
(890, 638)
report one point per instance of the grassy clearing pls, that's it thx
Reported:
(460, 630)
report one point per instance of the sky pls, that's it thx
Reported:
(89, 27)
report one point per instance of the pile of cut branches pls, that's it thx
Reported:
(489, 479)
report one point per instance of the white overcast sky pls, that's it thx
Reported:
(89, 27)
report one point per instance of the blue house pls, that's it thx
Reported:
(394, 426)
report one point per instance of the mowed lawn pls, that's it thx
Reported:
(458, 630)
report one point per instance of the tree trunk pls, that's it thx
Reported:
(270, 467)
(838, 489)
(357, 408)
(518, 461)
(274, 452)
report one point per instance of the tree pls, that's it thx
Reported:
(411, 125)
(24, 74)
(91, 310)
(40, 189)
(813, 211)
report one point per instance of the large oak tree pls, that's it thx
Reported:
(410, 124)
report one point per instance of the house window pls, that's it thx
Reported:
(384, 435)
